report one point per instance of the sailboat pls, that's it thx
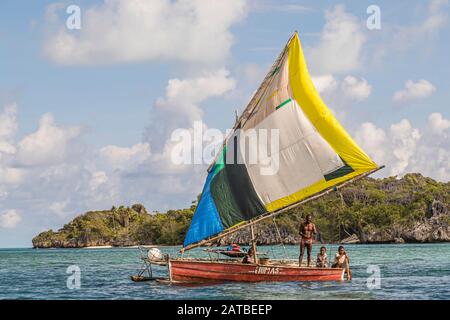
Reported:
(316, 157)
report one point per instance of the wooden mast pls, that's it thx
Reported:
(253, 242)
(262, 217)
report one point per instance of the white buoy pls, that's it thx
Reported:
(154, 254)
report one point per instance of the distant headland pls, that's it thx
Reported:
(413, 209)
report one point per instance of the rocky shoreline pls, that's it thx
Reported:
(429, 230)
(433, 228)
(413, 209)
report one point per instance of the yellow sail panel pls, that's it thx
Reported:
(318, 113)
(308, 191)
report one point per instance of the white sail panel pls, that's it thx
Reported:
(304, 156)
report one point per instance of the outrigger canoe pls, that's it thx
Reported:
(314, 156)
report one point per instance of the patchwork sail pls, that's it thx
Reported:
(315, 152)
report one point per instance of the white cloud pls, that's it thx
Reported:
(404, 37)
(341, 43)
(419, 37)
(414, 90)
(180, 106)
(404, 148)
(372, 140)
(8, 122)
(437, 123)
(8, 129)
(97, 179)
(9, 219)
(341, 95)
(280, 6)
(404, 143)
(11, 176)
(7, 148)
(48, 145)
(325, 83)
(351, 87)
(433, 153)
(59, 208)
(355, 88)
(138, 30)
(123, 157)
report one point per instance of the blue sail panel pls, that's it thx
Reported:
(206, 221)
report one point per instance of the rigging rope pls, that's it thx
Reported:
(281, 239)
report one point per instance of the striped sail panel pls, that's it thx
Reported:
(276, 92)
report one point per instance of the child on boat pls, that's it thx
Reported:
(249, 258)
(341, 260)
(322, 258)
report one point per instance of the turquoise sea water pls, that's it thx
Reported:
(409, 271)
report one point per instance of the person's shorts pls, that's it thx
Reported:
(306, 241)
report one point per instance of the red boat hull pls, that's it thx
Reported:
(195, 271)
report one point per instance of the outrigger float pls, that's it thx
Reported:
(315, 156)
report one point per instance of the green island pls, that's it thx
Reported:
(412, 209)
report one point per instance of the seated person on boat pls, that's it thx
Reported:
(342, 260)
(322, 258)
(250, 257)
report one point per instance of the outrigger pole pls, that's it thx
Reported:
(277, 212)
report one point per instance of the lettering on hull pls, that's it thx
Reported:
(267, 270)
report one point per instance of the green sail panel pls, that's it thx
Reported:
(234, 195)
(227, 206)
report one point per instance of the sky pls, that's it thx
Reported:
(86, 113)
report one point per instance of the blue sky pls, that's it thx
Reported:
(85, 114)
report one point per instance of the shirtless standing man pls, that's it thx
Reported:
(307, 231)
